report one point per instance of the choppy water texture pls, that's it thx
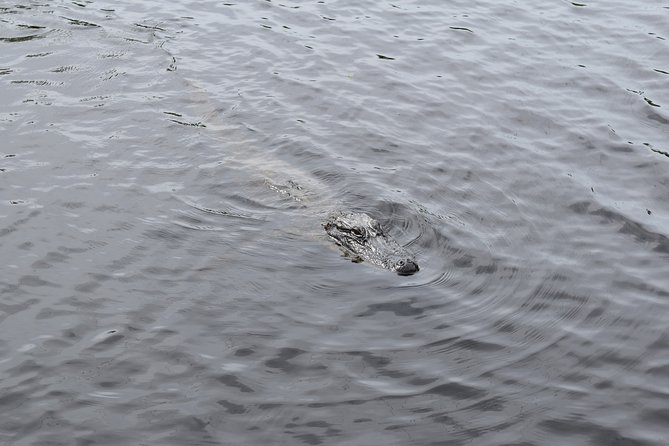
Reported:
(165, 168)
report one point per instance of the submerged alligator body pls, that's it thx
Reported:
(358, 234)
(364, 239)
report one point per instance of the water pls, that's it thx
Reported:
(165, 170)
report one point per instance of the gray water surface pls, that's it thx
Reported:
(165, 168)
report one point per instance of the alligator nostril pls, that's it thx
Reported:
(406, 268)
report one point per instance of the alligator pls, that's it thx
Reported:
(360, 236)
(363, 239)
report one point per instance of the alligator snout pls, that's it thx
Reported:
(406, 267)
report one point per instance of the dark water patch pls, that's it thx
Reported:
(151, 27)
(460, 28)
(662, 371)
(244, 352)
(232, 408)
(338, 403)
(661, 343)
(661, 152)
(398, 308)
(41, 83)
(21, 38)
(233, 381)
(653, 115)
(650, 102)
(456, 391)
(283, 362)
(188, 124)
(475, 345)
(596, 434)
(78, 22)
(628, 226)
(493, 404)
(50, 259)
(324, 430)
(657, 416)
(35, 281)
(7, 402)
(20, 25)
(165, 234)
(645, 288)
(9, 309)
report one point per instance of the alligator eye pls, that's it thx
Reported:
(357, 232)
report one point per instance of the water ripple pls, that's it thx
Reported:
(167, 168)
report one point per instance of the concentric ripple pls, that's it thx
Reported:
(165, 170)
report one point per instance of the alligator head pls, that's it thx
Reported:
(363, 239)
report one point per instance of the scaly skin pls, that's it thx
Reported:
(363, 239)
